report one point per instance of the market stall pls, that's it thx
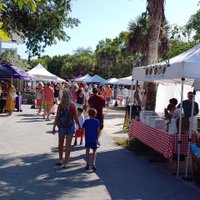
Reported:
(182, 69)
(160, 140)
(8, 71)
(42, 74)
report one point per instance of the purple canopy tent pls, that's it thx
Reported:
(7, 70)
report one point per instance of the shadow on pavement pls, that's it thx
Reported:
(112, 116)
(36, 177)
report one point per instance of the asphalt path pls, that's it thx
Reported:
(28, 153)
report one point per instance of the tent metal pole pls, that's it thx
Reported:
(131, 100)
(190, 134)
(180, 127)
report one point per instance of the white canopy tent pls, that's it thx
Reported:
(111, 81)
(83, 78)
(42, 74)
(184, 68)
(125, 81)
(185, 65)
(60, 80)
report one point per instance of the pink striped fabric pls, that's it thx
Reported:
(159, 140)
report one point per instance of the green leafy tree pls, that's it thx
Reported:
(138, 37)
(31, 4)
(14, 59)
(55, 64)
(193, 26)
(178, 47)
(42, 28)
(83, 51)
(107, 53)
(75, 65)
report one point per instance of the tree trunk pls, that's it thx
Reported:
(156, 9)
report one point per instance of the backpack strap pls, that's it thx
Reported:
(72, 109)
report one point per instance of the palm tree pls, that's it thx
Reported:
(155, 9)
(148, 35)
(138, 37)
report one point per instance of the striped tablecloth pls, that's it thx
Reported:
(159, 140)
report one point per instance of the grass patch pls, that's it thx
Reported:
(131, 144)
(134, 145)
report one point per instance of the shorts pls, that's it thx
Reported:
(48, 104)
(67, 131)
(91, 145)
(39, 102)
(101, 120)
(79, 133)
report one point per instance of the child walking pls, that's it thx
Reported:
(79, 132)
(91, 128)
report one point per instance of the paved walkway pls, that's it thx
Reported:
(28, 152)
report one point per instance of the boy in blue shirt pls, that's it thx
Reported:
(91, 128)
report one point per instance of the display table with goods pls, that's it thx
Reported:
(158, 139)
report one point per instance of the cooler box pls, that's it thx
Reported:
(144, 114)
(149, 118)
(157, 123)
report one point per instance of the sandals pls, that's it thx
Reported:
(87, 167)
(65, 166)
(94, 167)
(59, 163)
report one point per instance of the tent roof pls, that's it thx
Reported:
(95, 79)
(125, 81)
(60, 80)
(111, 81)
(7, 70)
(185, 65)
(42, 74)
(83, 78)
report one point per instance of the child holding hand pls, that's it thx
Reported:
(91, 128)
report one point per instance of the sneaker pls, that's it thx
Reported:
(87, 167)
(94, 167)
(59, 163)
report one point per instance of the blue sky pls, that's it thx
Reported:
(102, 19)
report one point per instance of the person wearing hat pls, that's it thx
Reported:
(98, 102)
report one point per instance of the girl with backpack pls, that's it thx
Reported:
(65, 117)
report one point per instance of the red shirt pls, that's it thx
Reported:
(48, 93)
(98, 102)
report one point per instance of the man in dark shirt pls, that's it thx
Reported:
(187, 106)
(98, 102)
